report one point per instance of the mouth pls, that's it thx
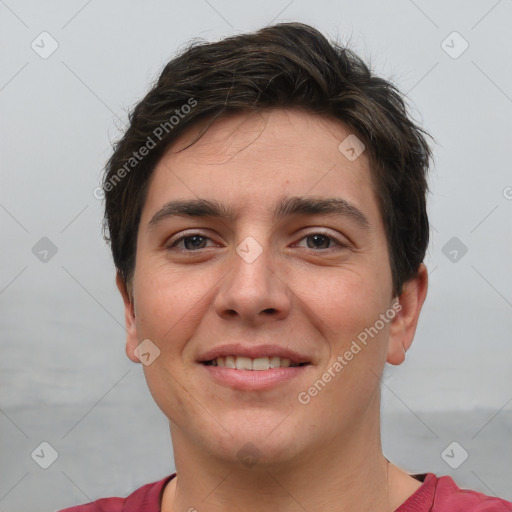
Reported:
(257, 364)
(254, 368)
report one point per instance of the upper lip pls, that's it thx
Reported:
(254, 352)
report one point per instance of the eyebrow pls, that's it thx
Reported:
(288, 206)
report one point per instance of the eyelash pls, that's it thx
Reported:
(172, 245)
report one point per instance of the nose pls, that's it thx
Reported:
(253, 292)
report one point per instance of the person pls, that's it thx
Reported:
(266, 211)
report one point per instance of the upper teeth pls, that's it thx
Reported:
(246, 363)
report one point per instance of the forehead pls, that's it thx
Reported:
(251, 160)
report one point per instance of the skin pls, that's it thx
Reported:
(315, 298)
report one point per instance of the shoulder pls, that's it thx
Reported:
(449, 497)
(441, 494)
(102, 505)
(147, 496)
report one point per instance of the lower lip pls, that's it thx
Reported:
(253, 380)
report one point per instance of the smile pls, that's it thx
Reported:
(257, 364)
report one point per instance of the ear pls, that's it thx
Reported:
(132, 340)
(403, 325)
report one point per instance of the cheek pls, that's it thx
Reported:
(168, 315)
(349, 305)
(165, 307)
(345, 299)
(167, 391)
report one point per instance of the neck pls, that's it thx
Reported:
(339, 475)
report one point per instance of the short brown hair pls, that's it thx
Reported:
(286, 65)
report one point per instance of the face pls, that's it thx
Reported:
(262, 246)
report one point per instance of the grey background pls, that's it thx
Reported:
(64, 375)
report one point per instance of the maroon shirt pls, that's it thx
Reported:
(434, 495)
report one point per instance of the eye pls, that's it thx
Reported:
(194, 242)
(189, 242)
(321, 241)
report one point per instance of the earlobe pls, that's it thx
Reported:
(129, 316)
(403, 325)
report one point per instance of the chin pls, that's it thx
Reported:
(256, 440)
